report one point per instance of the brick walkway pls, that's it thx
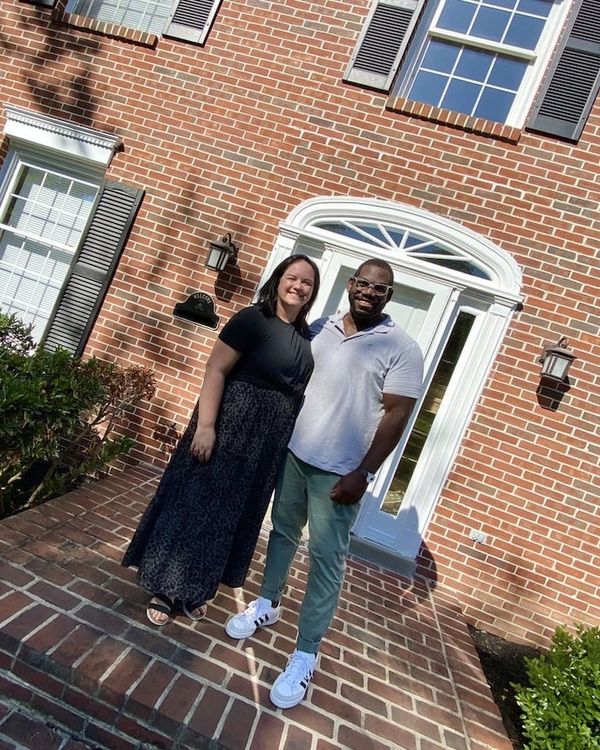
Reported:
(80, 666)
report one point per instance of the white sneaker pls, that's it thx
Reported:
(291, 685)
(258, 614)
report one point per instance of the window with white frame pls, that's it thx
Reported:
(49, 188)
(482, 57)
(533, 63)
(42, 217)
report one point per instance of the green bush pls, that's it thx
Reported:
(561, 706)
(56, 416)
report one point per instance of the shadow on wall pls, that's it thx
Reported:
(73, 94)
(550, 392)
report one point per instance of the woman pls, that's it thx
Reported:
(201, 528)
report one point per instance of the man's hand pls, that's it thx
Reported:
(349, 489)
(203, 443)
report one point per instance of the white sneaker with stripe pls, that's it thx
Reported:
(291, 685)
(258, 614)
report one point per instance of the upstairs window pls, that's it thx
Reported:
(476, 56)
(514, 62)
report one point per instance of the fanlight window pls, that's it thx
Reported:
(400, 240)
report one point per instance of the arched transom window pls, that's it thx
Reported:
(402, 240)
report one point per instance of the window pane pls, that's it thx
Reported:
(461, 96)
(428, 88)
(440, 56)
(494, 105)
(537, 7)
(374, 232)
(457, 16)
(474, 64)
(524, 32)
(507, 73)
(490, 23)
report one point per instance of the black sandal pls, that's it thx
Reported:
(188, 610)
(162, 604)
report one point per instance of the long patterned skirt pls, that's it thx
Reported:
(201, 527)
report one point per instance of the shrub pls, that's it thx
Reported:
(561, 705)
(56, 414)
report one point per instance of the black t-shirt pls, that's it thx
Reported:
(275, 354)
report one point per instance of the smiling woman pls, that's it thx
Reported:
(201, 528)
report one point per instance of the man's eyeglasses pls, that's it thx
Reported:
(363, 284)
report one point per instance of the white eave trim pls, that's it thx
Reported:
(78, 141)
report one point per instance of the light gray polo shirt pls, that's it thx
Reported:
(343, 402)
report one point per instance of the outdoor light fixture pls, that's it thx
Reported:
(220, 253)
(556, 360)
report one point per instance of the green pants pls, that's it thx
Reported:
(302, 494)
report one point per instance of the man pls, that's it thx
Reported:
(367, 377)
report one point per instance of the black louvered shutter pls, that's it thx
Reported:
(382, 43)
(192, 20)
(572, 85)
(90, 275)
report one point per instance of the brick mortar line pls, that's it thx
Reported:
(461, 714)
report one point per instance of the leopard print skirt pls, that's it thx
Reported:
(201, 527)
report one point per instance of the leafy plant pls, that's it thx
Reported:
(57, 414)
(561, 706)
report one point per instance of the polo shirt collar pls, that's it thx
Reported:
(384, 326)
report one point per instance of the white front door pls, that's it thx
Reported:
(423, 307)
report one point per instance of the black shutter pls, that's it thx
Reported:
(569, 92)
(90, 275)
(382, 43)
(192, 20)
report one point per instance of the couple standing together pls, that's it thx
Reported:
(311, 412)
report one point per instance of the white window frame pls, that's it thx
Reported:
(538, 59)
(53, 146)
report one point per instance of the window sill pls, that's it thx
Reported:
(458, 120)
(108, 29)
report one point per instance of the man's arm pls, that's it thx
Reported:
(397, 409)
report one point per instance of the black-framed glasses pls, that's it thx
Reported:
(363, 284)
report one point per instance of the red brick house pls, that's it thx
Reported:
(457, 139)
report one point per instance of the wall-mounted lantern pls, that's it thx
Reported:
(220, 253)
(556, 360)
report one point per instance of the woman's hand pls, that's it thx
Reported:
(203, 443)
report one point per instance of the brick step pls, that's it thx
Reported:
(397, 671)
(24, 728)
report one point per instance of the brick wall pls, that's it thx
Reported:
(231, 137)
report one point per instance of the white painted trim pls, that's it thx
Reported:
(58, 135)
(506, 278)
